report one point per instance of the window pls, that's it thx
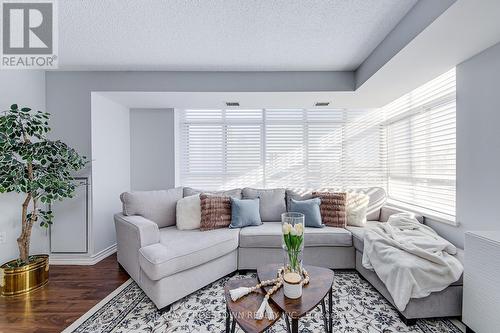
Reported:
(407, 147)
(421, 148)
(282, 148)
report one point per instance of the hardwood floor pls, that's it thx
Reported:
(71, 291)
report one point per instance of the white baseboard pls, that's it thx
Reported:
(81, 259)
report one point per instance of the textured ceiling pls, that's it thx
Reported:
(223, 35)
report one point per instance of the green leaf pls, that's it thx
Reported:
(13, 107)
(26, 109)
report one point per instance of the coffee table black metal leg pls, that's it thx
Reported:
(228, 319)
(330, 312)
(287, 322)
(325, 320)
(295, 325)
(233, 325)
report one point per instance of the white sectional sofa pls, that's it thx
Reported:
(168, 263)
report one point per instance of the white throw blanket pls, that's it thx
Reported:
(410, 258)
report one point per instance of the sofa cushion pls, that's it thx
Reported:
(215, 212)
(179, 250)
(272, 202)
(157, 206)
(358, 234)
(297, 195)
(268, 235)
(234, 193)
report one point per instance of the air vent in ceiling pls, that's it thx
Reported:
(233, 103)
(322, 103)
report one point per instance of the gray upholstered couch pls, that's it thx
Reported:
(168, 263)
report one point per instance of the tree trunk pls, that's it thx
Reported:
(23, 242)
(24, 248)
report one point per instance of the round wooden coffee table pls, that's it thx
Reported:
(243, 310)
(314, 293)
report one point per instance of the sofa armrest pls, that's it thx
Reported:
(132, 233)
(387, 211)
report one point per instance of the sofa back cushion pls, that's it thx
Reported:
(272, 202)
(157, 206)
(297, 195)
(215, 211)
(234, 193)
(378, 197)
(333, 208)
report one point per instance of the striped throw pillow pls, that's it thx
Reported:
(215, 212)
(332, 208)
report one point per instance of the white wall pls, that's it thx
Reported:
(478, 146)
(110, 142)
(26, 88)
(152, 149)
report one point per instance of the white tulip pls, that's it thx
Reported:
(293, 232)
(299, 228)
(286, 228)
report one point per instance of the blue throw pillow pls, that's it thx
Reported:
(310, 209)
(245, 213)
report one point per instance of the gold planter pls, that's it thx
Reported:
(22, 280)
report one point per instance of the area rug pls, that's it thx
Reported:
(357, 308)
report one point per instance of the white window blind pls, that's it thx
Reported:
(282, 148)
(421, 147)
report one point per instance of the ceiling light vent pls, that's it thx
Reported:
(233, 103)
(322, 103)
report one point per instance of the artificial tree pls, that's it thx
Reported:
(32, 164)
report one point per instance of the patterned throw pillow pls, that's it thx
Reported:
(215, 212)
(332, 208)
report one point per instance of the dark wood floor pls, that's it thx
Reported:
(71, 291)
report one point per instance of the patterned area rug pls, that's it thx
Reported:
(357, 308)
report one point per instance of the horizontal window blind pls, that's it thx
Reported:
(297, 148)
(421, 147)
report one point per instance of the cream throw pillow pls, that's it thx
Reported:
(188, 213)
(356, 206)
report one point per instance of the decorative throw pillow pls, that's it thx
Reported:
(310, 209)
(189, 213)
(332, 208)
(215, 212)
(245, 213)
(356, 207)
(377, 198)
